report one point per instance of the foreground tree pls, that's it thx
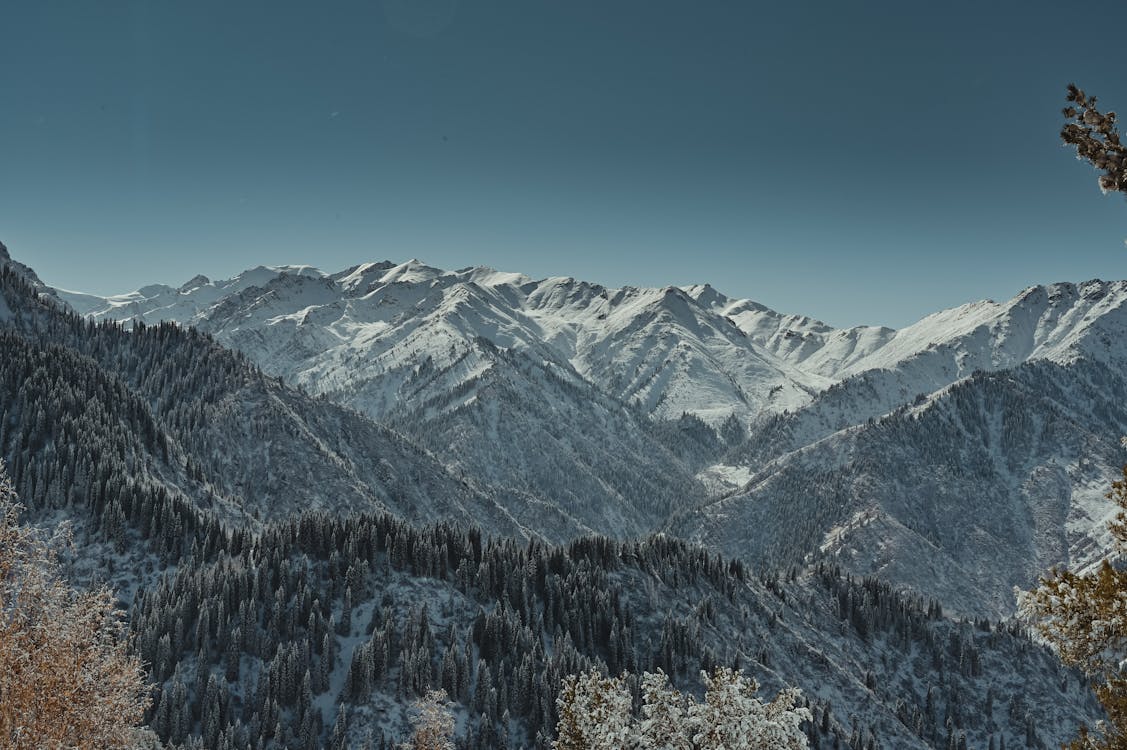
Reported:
(66, 677)
(1085, 617)
(1096, 139)
(595, 714)
(432, 722)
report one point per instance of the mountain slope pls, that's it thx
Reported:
(374, 612)
(204, 424)
(522, 425)
(516, 381)
(875, 370)
(367, 328)
(976, 489)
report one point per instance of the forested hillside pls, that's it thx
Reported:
(324, 629)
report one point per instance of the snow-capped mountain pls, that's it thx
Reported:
(976, 489)
(881, 368)
(971, 449)
(168, 408)
(160, 302)
(369, 328)
(669, 350)
(545, 388)
(539, 388)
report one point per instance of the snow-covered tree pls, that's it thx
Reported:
(1085, 617)
(664, 712)
(595, 714)
(732, 716)
(433, 723)
(66, 677)
(1096, 139)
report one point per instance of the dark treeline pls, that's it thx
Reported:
(287, 601)
(254, 638)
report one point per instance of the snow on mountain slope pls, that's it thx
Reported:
(158, 302)
(1042, 322)
(879, 370)
(523, 425)
(668, 350)
(366, 330)
(1055, 322)
(802, 342)
(456, 361)
(978, 488)
(661, 349)
(214, 430)
(827, 478)
(494, 372)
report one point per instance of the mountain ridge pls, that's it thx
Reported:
(562, 310)
(413, 345)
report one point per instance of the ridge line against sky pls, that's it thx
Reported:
(858, 163)
(304, 269)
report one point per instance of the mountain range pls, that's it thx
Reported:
(980, 438)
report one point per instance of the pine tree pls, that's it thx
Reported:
(663, 715)
(732, 716)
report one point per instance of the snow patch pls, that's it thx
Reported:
(720, 479)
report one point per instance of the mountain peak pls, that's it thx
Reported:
(194, 283)
(153, 290)
(300, 269)
(413, 271)
(362, 275)
(489, 276)
(28, 274)
(706, 295)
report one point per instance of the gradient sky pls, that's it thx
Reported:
(861, 162)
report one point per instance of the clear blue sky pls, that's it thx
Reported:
(862, 162)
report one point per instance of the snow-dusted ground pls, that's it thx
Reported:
(720, 479)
